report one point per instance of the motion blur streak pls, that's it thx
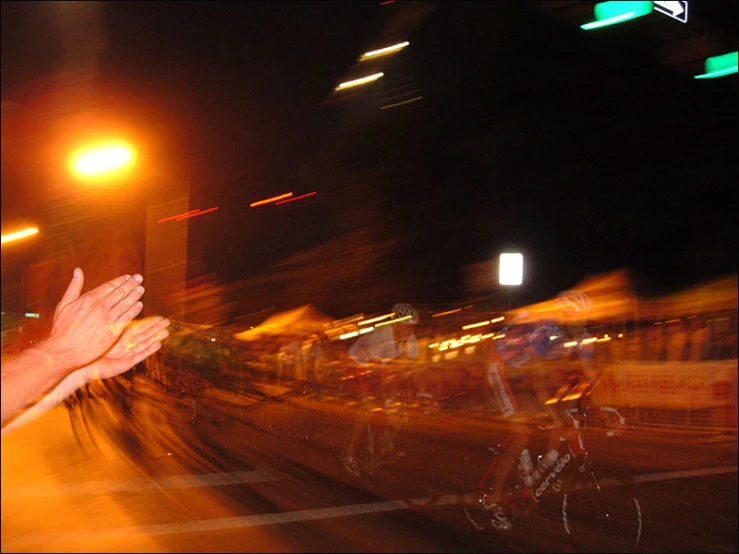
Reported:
(268, 200)
(375, 319)
(296, 198)
(360, 81)
(479, 324)
(196, 213)
(178, 216)
(384, 51)
(402, 103)
(447, 312)
(19, 235)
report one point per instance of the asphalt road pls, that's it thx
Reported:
(174, 474)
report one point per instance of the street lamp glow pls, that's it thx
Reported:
(510, 270)
(102, 160)
(19, 235)
(384, 51)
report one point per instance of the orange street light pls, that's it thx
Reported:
(105, 160)
(19, 235)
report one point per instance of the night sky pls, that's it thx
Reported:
(586, 151)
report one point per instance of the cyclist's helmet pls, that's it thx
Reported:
(546, 341)
(575, 301)
(510, 345)
(403, 310)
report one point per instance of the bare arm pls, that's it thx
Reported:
(85, 327)
(140, 340)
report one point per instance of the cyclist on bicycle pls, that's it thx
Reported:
(526, 359)
(371, 352)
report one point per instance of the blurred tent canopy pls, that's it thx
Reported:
(612, 296)
(302, 321)
(714, 296)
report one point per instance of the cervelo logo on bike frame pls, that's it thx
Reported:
(558, 467)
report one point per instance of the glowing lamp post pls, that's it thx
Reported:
(102, 161)
(510, 271)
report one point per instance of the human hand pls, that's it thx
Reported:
(139, 341)
(86, 326)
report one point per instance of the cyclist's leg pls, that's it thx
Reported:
(360, 420)
(362, 417)
(520, 435)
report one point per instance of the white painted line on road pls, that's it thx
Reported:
(132, 485)
(685, 473)
(220, 524)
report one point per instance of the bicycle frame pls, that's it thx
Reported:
(387, 445)
(377, 447)
(572, 456)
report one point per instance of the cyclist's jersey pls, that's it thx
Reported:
(524, 365)
(380, 346)
(509, 373)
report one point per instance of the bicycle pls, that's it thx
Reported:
(596, 501)
(378, 439)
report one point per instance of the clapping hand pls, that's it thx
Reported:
(87, 325)
(140, 340)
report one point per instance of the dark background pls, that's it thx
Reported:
(588, 151)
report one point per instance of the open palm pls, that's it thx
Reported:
(140, 339)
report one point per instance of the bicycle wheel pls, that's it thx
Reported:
(476, 505)
(603, 511)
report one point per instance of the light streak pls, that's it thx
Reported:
(349, 319)
(185, 215)
(610, 21)
(19, 235)
(197, 213)
(375, 319)
(325, 102)
(268, 200)
(473, 325)
(296, 198)
(392, 321)
(447, 313)
(360, 81)
(384, 51)
(401, 103)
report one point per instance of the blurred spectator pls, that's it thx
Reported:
(675, 340)
(699, 342)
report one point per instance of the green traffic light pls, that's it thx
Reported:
(611, 13)
(718, 66)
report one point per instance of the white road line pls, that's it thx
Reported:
(685, 473)
(132, 485)
(204, 525)
(269, 519)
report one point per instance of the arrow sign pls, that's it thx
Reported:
(675, 10)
